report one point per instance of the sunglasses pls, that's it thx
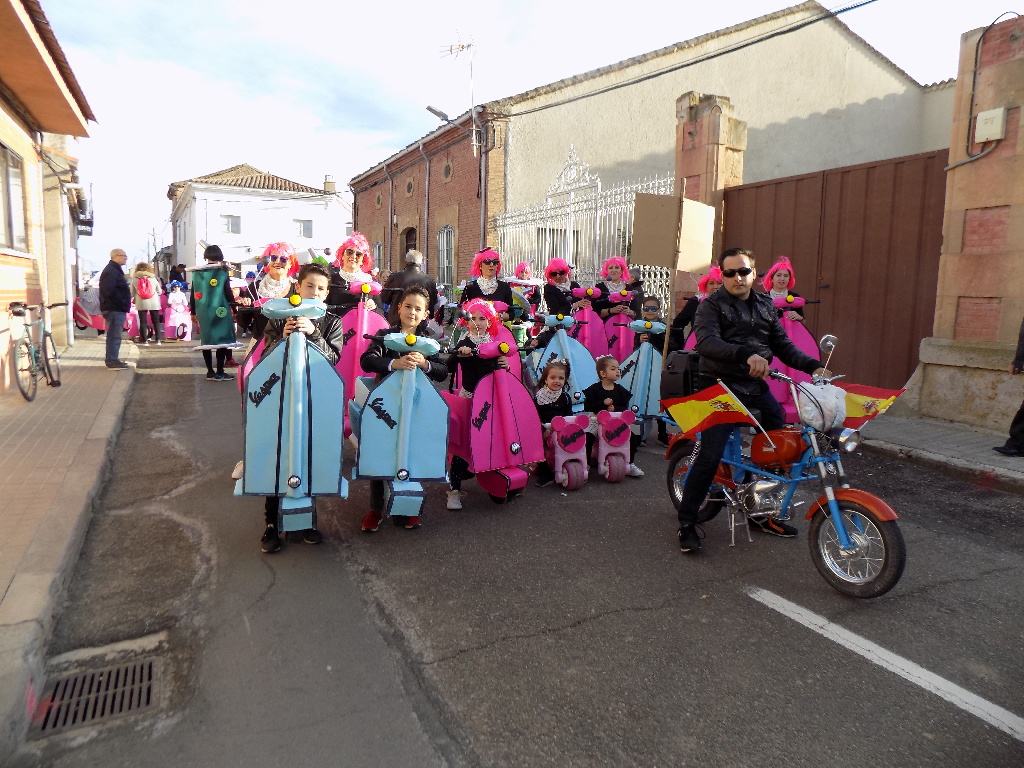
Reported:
(278, 259)
(353, 250)
(742, 272)
(651, 309)
(562, 273)
(490, 262)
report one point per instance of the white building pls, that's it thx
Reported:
(243, 209)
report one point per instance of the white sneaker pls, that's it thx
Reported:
(454, 500)
(634, 471)
(238, 471)
(158, 342)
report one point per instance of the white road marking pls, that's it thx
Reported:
(992, 714)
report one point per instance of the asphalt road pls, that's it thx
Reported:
(561, 630)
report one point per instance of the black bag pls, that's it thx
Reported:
(680, 373)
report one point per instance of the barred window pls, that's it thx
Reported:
(13, 226)
(446, 259)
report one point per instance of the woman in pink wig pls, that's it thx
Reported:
(487, 285)
(779, 282)
(524, 272)
(558, 292)
(615, 272)
(352, 264)
(707, 285)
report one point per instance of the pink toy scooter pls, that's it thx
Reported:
(177, 321)
(360, 322)
(589, 328)
(497, 430)
(613, 432)
(566, 450)
(616, 328)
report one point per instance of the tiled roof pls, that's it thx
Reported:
(247, 177)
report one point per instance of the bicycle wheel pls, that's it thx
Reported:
(25, 371)
(51, 360)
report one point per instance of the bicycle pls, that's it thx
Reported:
(33, 359)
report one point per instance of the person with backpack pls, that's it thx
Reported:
(146, 291)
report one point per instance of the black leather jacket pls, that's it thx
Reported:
(730, 330)
(328, 335)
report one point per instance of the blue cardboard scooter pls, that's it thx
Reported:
(395, 425)
(293, 400)
(582, 371)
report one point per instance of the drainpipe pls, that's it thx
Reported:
(391, 214)
(477, 126)
(425, 246)
(355, 208)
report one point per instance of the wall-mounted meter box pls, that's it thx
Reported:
(990, 125)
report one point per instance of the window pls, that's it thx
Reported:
(13, 229)
(231, 225)
(303, 227)
(446, 259)
(378, 254)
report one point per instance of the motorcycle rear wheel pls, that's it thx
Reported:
(678, 466)
(878, 562)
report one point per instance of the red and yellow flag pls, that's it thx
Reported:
(863, 403)
(711, 406)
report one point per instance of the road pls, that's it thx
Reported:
(560, 630)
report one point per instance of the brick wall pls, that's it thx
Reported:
(1004, 42)
(986, 229)
(977, 318)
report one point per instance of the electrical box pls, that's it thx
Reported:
(990, 125)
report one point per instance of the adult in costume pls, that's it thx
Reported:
(488, 286)
(524, 278)
(558, 296)
(212, 303)
(614, 273)
(707, 285)
(352, 264)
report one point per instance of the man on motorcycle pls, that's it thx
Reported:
(738, 333)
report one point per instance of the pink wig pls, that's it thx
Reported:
(291, 263)
(714, 273)
(615, 260)
(486, 253)
(521, 267)
(556, 265)
(358, 241)
(486, 309)
(781, 263)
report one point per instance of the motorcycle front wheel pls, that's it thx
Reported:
(678, 466)
(875, 565)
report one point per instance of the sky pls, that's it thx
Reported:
(312, 87)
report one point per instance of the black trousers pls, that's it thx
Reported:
(1016, 438)
(154, 317)
(222, 355)
(712, 447)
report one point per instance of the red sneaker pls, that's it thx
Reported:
(230, 363)
(412, 522)
(372, 521)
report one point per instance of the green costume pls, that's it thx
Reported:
(210, 291)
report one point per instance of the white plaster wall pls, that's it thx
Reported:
(266, 218)
(937, 116)
(813, 99)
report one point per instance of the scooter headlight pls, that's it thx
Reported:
(846, 439)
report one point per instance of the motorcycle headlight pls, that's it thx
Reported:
(846, 439)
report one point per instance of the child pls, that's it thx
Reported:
(651, 309)
(552, 400)
(608, 395)
(482, 325)
(379, 360)
(327, 334)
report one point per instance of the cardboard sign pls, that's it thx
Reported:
(663, 238)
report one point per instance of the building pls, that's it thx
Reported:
(42, 209)
(242, 209)
(812, 94)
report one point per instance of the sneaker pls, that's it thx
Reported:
(544, 483)
(224, 377)
(689, 539)
(412, 522)
(117, 365)
(230, 363)
(371, 522)
(1007, 450)
(454, 500)
(211, 376)
(271, 541)
(238, 471)
(312, 536)
(146, 342)
(158, 342)
(771, 525)
(634, 471)
(663, 440)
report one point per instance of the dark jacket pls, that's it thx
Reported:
(559, 303)
(561, 407)
(677, 340)
(115, 293)
(328, 336)
(473, 368)
(599, 305)
(377, 358)
(399, 281)
(1018, 358)
(729, 331)
(502, 293)
(340, 299)
(595, 395)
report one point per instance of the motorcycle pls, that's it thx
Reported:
(855, 542)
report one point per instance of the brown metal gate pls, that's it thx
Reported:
(865, 241)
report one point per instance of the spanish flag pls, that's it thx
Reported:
(863, 403)
(714, 405)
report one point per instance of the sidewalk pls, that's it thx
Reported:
(963, 451)
(53, 460)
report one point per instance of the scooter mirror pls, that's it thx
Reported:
(828, 343)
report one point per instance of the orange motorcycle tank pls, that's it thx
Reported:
(789, 447)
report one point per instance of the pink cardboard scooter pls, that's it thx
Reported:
(566, 450)
(362, 321)
(613, 432)
(589, 328)
(616, 328)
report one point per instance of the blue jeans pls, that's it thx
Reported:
(712, 447)
(115, 325)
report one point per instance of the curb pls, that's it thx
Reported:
(31, 604)
(984, 475)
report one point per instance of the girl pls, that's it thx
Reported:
(707, 285)
(552, 400)
(482, 325)
(651, 309)
(609, 395)
(379, 360)
(352, 264)
(146, 294)
(488, 286)
(532, 293)
(615, 271)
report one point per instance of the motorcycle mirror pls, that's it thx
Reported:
(828, 343)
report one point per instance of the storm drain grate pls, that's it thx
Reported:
(97, 696)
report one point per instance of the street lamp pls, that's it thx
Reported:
(443, 116)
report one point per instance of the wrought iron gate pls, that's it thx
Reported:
(581, 223)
